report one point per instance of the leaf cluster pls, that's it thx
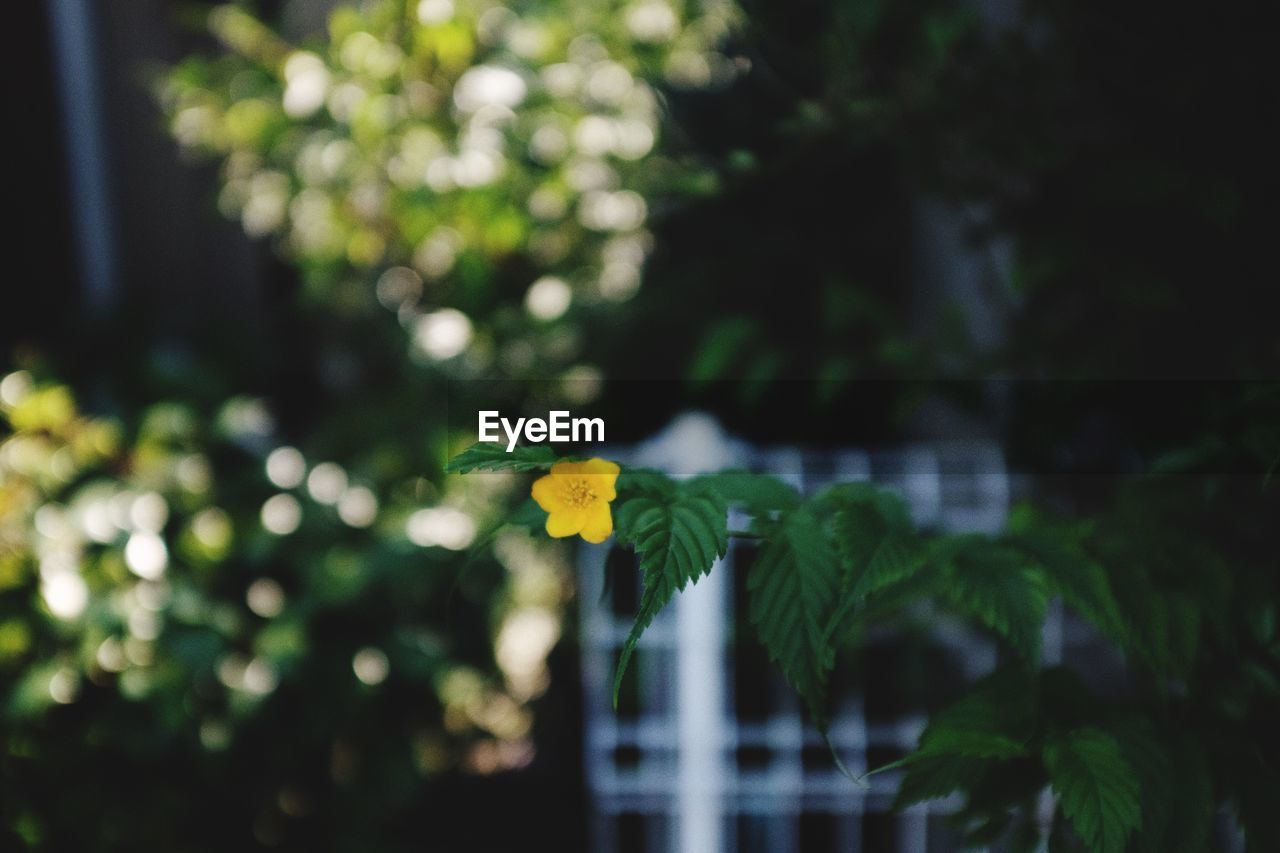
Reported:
(1145, 770)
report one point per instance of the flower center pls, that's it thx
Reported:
(578, 493)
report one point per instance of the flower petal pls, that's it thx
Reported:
(546, 493)
(565, 522)
(600, 466)
(598, 524)
(565, 467)
(604, 477)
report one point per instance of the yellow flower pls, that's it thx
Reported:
(576, 497)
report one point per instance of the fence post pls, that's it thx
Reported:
(695, 444)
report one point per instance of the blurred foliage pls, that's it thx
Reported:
(1056, 134)
(802, 266)
(178, 591)
(307, 629)
(450, 160)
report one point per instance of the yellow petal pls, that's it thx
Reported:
(600, 466)
(545, 493)
(604, 477)
(564, 468)
(565, 522)
(598, 524)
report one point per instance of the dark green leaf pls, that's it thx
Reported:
(1098, 790)
(1152, 763)
(1079, 579)
(888, 505)
(645, 481)
(997, 586)
(976, 741)
(493, 457)
(677, 540)
(720, 348)
(978, 733)
(876, 544)
(793, 585)
(995, 720)
(758, 493)
(896, 556)
(932, 776)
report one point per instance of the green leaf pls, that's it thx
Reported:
(1079, 579)
(645, 481)
(494, 457)
(720, 348)
(1153, 766)
(758, 493)
(981, 731)
(929, 777)
(897, 556)
(677, 540)
(876, 544)
(793, 585)
(1097, 787)
(998, 586)
(994, 720)
(886, 504)
(1163, 624)
(975, 741)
